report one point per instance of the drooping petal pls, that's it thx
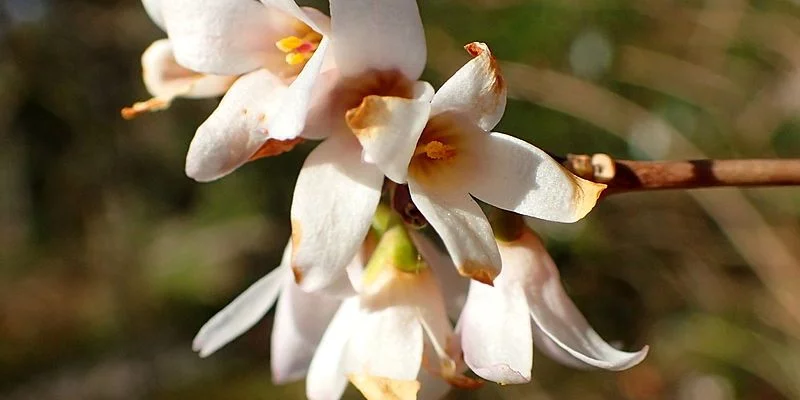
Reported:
(476, 91)
(514, 175)
(164, 78)
(153, 9)
(382, 35)
(237, 128)
(388, 129)
(308, 16)
(463, 228)
(554, 313)
(300, 321)
(496, 333)
(386, 343)
(326, 379)
(454, 287)
(221, 37)
(243, 312)
(334, 200)
(290, 118)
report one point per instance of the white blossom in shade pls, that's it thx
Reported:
(495, 327)
(456, 157)
(379, 51)
(381, 339)
(300, 319)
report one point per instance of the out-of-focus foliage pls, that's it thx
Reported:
(111, 259)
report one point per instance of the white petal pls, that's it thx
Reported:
(463, 228)
(236, 129)
(476, 91)
(378, 34)
(221, 37)
(243, 312)
(387, 343)
(326, 379)
(388, 129)
(454, 286)
(153, 9)
(334, 200)
(290, 118)
(165, 79)
(308, 16)
(514, 175)
(300, 321)
(496, 333)
(555, 314)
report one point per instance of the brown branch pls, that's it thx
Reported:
(624, 176)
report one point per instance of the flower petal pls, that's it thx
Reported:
(221, 37)
(454, 287)
(514, 175)
(387, 342)
(463, 228)
(326, 379)
(165, 78)
(378, 388)
(153, 9)
(290, 118)
(382, 35)
(477, 90)
(334, 200)
(243, 312)
(388, 129)
(556, 316)
(308, 16)
(496, 333)
(236, 129)
(300, 321)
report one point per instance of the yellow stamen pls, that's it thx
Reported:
(436, 150)
(289, 43)
(297, 58)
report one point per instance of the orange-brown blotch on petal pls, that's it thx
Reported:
(478, 272)
(372, 112)
(478, 49)
(297, 231)
(274, 147)
(379, 388)
(586, 194)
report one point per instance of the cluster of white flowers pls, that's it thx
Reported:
(363, 296)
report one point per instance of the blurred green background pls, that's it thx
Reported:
(111, 259)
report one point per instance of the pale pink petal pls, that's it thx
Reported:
(496, 333)
(378, 34)
(165, 79)
(236, 129)
(326, 379)
(386, 342)
(557, 317)
(221, 37)
(243, 312)
(153, 9)
(300, 321)
(309, 16)
(514, 175)
(334, 200)
(454, 286)
(477, 90)
(388, 129)
(463, 228)
(290, 119)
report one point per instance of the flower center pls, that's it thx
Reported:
(299, 49)
(436, 150)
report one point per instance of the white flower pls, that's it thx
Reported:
(379, 50)
(456, 157)
(495, 325)
(300, 319)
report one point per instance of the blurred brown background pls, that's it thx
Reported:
(111, 259)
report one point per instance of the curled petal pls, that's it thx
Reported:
(514, 175)
(243, 312)
(300, 321)
(334, 200)
(554, 313)
(236, 129)
(463, 228)
(221, 37)
(476, 91)
(388, 129)
(382, 35)
(164, 78)
(326, 380)
(496, 333)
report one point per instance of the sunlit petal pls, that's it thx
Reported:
(326, 380)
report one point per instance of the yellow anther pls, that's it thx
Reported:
(297, 58)
(436, 150)
(289, 43)
(313, 37)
